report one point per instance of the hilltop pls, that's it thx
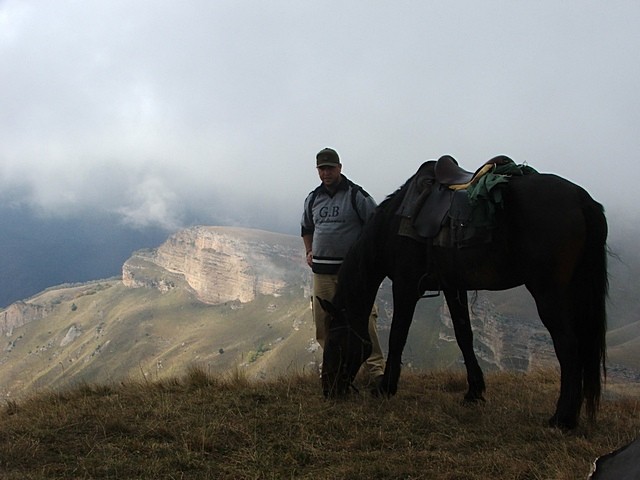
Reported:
(204, 426)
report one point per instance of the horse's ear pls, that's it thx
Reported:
(328, 307)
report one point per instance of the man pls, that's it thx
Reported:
(334, 214)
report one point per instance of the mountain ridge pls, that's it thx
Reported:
(226, 298)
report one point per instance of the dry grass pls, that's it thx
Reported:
(203, 426)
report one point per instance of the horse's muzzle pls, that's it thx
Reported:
(335, 386)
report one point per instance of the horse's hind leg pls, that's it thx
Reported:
(459, 309)
(557, 315)
(570, 399)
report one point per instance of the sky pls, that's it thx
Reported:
(166, 113)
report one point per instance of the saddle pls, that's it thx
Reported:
(437, 191)
(448, 172)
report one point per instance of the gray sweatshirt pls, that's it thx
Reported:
(335, 221)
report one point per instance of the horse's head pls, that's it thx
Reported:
(345, 350)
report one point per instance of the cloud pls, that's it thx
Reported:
(151, 202)
(167, 112)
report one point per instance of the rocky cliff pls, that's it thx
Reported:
(223, 298)
(216, 264)
(221, 264)
(20, 313)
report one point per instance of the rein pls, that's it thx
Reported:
(351, 331)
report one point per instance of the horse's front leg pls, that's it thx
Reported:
(459, 309)
(404, 305)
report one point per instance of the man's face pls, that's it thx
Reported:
(330, 175)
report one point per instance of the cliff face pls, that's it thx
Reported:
(221, 264)
(224, 298)
(504, 340)
(19, 314)
(218, 264)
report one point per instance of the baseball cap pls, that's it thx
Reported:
(327, 157)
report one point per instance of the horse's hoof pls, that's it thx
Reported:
(376, 386)
(383, 389)
(474, 398)
(564, 425)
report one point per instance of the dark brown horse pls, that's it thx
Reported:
(549, 235)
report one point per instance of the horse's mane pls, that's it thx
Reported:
(359, 265)
(392, 201)
(378, 225)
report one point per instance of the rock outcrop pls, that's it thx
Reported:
(19, 314)
(221, 264)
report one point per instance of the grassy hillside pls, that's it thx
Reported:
(203, 426)
(104, 332)
(153, 323)
(624, 345)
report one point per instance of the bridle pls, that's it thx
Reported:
(364, 343)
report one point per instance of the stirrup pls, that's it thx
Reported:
(431, 294)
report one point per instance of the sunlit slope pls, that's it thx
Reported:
(158, 320)
(105, 332)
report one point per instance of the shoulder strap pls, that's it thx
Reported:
(314, 194)
(354, 193)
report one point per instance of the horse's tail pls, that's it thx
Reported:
(590, 294)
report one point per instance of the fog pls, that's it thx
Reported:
(167, 113)
(162, 114)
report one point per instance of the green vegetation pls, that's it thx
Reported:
(202, 426)
(256, 354)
